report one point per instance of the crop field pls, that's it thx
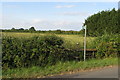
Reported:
(70, 41)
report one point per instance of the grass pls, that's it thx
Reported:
(60, 67)
(70, 41)
(76, 41)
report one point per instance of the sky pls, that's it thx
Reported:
(50, 15)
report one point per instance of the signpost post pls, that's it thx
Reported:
(85, 44)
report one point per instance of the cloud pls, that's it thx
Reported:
(63, 25)
(65, 6)
(40, 24)
(53, 25)
(75, 13)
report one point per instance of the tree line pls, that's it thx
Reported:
(103, 22)
(33, 30)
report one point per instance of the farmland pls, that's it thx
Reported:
(34, 51)
(44, 39)
(70, 41)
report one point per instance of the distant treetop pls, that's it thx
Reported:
(32, 29)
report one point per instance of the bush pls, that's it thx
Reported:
(28, 52)
(53, 40)
(107, 46)
(35, 51)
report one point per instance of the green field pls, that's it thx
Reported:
(70, 41)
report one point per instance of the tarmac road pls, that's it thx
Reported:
(107, 72)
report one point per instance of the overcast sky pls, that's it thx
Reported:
(50, 15)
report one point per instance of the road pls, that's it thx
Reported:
(107, 72)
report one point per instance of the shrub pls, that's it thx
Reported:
(35, 51)
(28, 52)
(53, 40)
(106, 45)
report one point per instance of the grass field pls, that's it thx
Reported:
(70, 41)
(59, 68)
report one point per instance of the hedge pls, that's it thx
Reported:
(35, 51)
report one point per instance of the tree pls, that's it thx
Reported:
(32, 29)
(58, 31)
(21, 29)
(13, 29)
(103, 22)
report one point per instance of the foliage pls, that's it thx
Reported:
(53, 40)
(103, 22)
(60, 67)
(26, 50)
(34, 51)
(74, 42)
(106, 45)
(32, 30)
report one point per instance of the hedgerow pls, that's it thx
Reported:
(35, 51)
(107, 46)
